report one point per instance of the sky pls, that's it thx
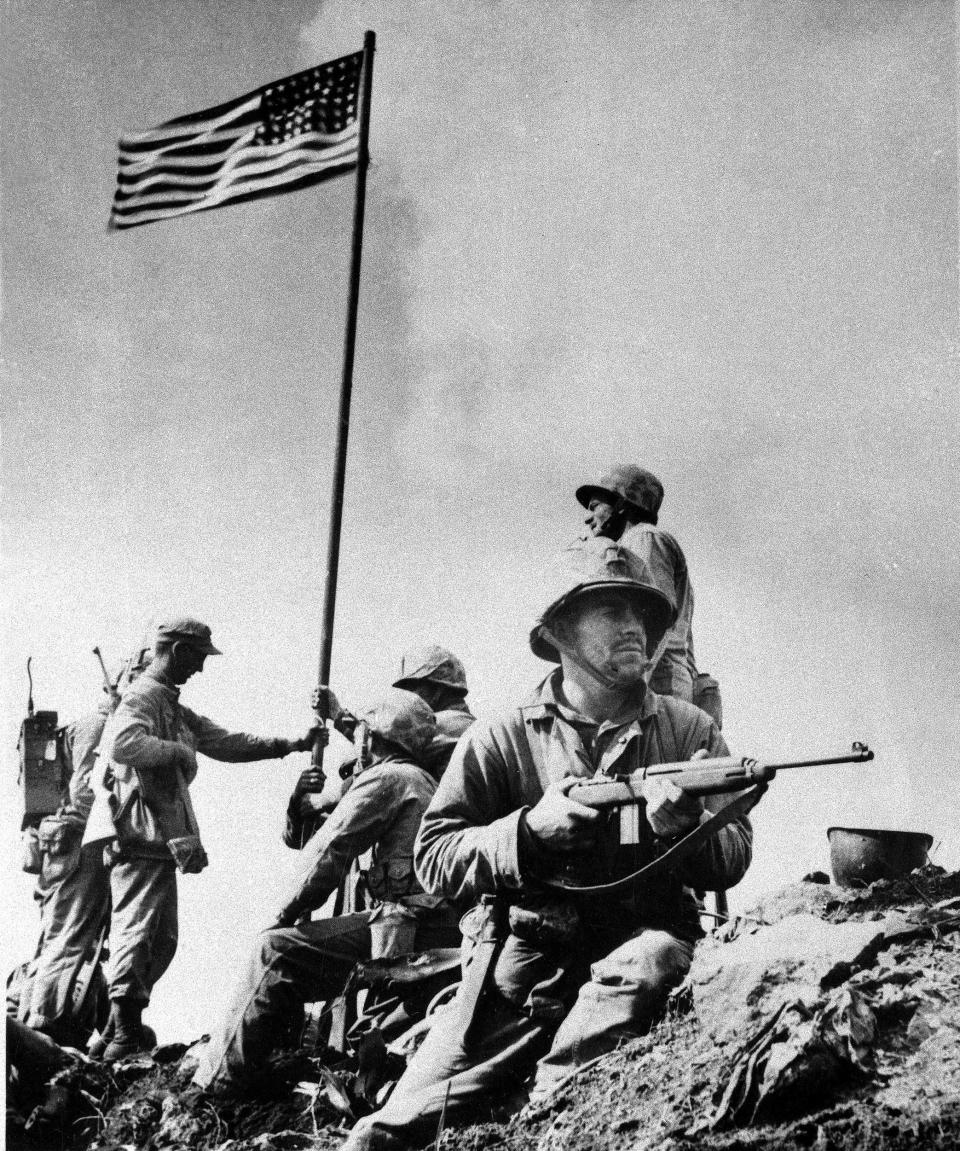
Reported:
(717, 239)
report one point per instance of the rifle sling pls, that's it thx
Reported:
(677, 853)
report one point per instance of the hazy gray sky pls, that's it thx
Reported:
(717, 239)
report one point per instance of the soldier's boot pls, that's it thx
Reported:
(127, 1034)
(99, 1045)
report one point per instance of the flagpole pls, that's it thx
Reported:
(346, 384)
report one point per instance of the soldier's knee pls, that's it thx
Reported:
(654, 959)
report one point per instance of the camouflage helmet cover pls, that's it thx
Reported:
(433, 663)
(404, 719)
(637, 486)
(594, 563)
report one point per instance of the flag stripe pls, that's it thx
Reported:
(286, 135)
(279, 158)
(293, 182)
(186, 127)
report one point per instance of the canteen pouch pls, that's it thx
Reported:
(188, 853)
(30, 857)
(393, 931)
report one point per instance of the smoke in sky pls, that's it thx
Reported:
(719, 240)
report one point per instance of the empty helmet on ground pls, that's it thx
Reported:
(594, 563)
(434, 664)
(404, 719)
(637, 486)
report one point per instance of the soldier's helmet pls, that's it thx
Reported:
(404, 719)
(188, 629)
(628, 482)
(434, 664)
(589, 564)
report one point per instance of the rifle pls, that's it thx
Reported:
(699, 777)
(746, 777)
(108, 685)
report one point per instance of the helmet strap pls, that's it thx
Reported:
(587, 665)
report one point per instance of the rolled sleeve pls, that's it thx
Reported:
(231, 746)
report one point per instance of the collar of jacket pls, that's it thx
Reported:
(159, 678)
(546, 701)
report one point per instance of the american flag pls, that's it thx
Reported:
(284, 136)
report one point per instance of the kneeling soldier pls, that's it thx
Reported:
(292, 965)
(554, 978)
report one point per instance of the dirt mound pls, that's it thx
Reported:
(826, 1019)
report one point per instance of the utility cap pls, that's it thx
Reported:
(432, 663)
(189, 630)
(598, 563)
(404, 719)
(627, 482)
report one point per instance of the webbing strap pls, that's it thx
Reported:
(676, 854)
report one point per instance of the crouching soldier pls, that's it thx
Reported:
(433, 673)
(555, 977)
(292, 965)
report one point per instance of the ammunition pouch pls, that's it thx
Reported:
(188, 854)
(545, 923)
(391, 879)
(59, 843)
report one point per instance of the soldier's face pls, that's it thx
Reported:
(599, 517)
(608, 628)
(189, 662)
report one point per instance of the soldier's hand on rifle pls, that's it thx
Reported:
(559, 822)
(670, 810)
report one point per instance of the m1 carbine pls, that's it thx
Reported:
(744, 779)
(698, 777)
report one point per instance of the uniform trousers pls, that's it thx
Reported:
(73, 891)
(536, 1017)
(290, 966)
(143, 927)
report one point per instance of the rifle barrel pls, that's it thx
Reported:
(860, 753)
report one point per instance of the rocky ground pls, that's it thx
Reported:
(828, 1019)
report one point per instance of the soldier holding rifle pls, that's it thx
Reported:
(554, 978)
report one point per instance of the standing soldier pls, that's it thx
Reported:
(292, 965)
(143, 808)
(624, 505)
(555, 977)
(73, 890)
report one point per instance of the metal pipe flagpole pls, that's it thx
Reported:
(346, 385)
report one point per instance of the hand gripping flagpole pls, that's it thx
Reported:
(346, 388)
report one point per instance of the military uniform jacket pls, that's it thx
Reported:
(473, 839)
(666, 560)
(138, 765)
(380, 814)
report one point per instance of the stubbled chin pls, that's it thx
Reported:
(627, 671)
